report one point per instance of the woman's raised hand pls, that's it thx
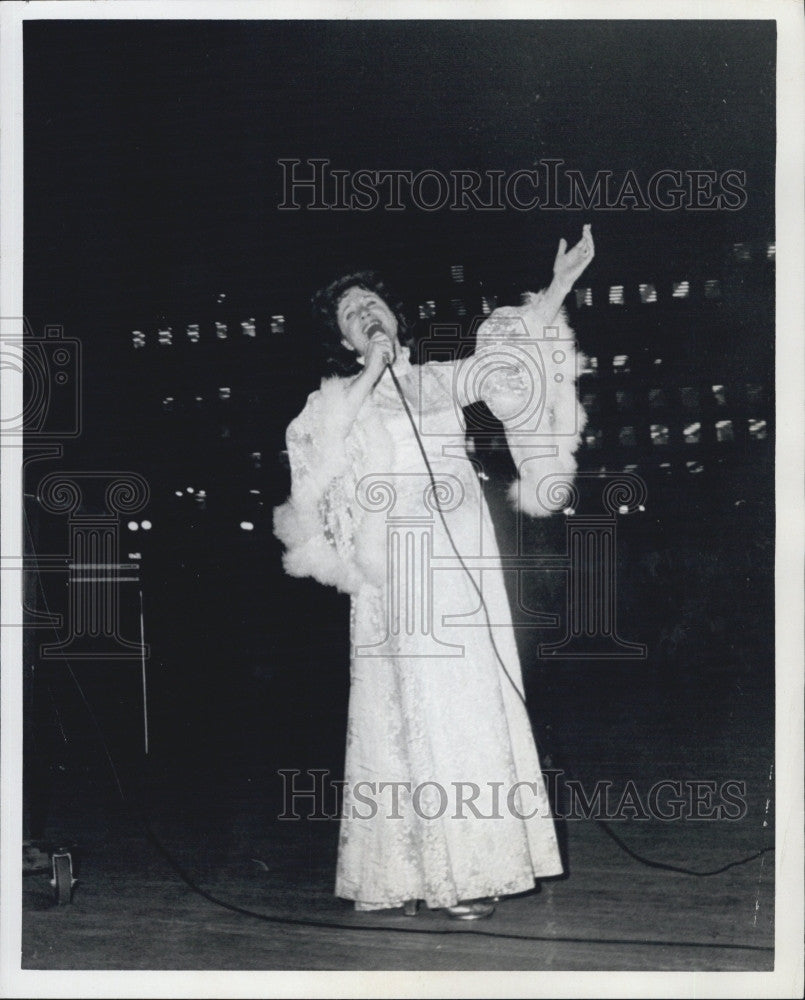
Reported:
(570, 264)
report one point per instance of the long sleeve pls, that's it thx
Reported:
(316, 523)
(525, 366)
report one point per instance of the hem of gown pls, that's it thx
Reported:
(478, 890)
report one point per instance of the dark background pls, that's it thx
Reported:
(151, 147)
(151, 188)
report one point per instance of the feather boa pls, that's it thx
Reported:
(327, 534)
(541, 413)
(334, 539)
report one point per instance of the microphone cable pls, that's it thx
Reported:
(602, 824)
(138, 813)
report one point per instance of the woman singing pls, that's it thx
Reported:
(444, 799)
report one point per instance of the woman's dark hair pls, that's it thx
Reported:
(337, 359)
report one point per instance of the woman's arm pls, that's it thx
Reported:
(315, 523)
(567, 268)
(515, 325)
(379, 353)
(524, 368)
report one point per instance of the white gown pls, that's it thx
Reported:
(444, 799)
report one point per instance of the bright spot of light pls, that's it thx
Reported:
(247, 525)
(623, 509)
(145, 525)
(190, 489)
(133, 526)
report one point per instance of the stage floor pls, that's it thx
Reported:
(215, 810)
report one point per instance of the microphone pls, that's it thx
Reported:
(377, 327)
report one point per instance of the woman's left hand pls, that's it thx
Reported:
(570, 264)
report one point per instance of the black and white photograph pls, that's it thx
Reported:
(402, 472)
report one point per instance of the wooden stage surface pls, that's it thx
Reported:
(216, 812)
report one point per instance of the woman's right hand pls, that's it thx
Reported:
(379, 353)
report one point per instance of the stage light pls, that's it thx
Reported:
(757, 429)
(616, 295)
(247, 525)
(640, 507)
(712, 289)
(620, 364)
(192, 332)
(692, 433)
(724, 430)
(248, 328)
(680, 289)
(145, 525)
(278, 323)
(221, 330)
(224, 392)
(135, 555)
(623, 509)
(133, 526)
(584, 297)
(179, 493)
(648, 293)
(190, 490)
(457, 273)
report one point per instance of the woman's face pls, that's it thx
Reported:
(358, 311)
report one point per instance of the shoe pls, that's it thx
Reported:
(477, 909)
